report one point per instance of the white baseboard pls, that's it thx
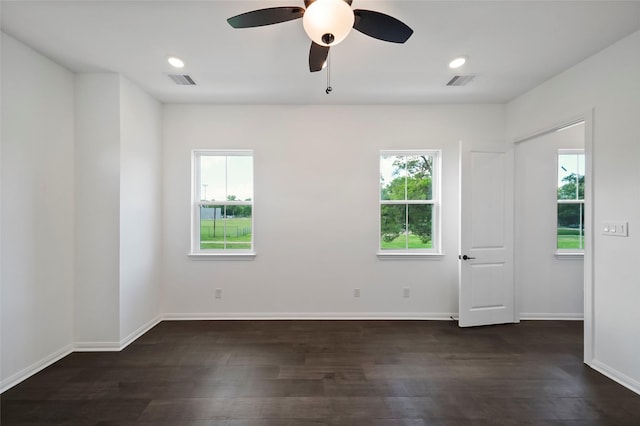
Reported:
(552, 317)
(34, 368)
(117, 346)
(97, 347)
(139, 332)
(438, 316)
(616, 376)
(310, 316)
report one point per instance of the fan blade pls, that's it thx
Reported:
(317, 56)
(381, 26)
(260, 17)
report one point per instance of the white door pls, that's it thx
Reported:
(486, 277)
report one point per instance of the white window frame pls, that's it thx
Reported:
(196, 203)
(568, 252)
(433, 253)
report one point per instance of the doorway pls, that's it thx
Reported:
(549, 229)
(587, 302)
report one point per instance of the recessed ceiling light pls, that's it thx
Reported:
(175, 62)
(458, 62)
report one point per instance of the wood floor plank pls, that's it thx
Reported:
(321, 373)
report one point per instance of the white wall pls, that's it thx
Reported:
(607, 82)
(118, 217)
(37, 210)
(549, 286)
(140, 208)
(316, 209)
(97, 209)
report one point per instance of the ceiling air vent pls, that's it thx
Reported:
(461, 80)
(182, 79)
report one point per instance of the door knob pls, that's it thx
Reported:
(465, 257)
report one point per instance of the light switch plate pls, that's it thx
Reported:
(615, 228)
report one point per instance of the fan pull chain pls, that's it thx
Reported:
(329, 88)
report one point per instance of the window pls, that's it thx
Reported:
(570, 235)
(222, 202)
(409, 194)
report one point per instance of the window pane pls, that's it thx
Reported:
(419, 176)
(240, 178)
(571, 226)
(238, 227)
(406, 177)
(213, 178)
(393, 227)
(211, 227)
(570, 176)
(420, 226)
(392, 178)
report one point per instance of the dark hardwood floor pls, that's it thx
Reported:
(328, 373)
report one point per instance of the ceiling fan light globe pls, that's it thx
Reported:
(333, 17)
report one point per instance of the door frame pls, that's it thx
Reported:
(589, 308)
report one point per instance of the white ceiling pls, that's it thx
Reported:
(512, 47)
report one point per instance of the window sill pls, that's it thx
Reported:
(222, 256)
(410, 256)
(569, 255)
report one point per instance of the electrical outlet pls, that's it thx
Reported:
(356, 292)
(218, 293)
(406, 292)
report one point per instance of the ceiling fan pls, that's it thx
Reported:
(327, 23)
